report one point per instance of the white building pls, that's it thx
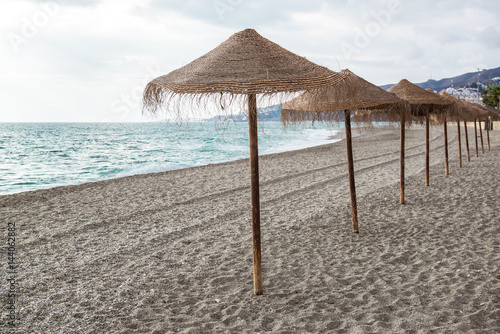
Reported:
(467, 94)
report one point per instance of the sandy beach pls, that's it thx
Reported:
(171, 252)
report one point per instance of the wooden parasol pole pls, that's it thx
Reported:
(254, 185)
(427, 178)
(402, 161)
(447, 165)
(475, 134)
(467, 140)
(350, 167)
(488, 133)
(459, 145)
(481, 135)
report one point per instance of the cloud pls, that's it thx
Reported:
(91, 59)
(489, 37)
(70, 2)
(101, 55)
(238, 14)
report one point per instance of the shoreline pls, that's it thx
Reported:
(339, 136)
(171, 251)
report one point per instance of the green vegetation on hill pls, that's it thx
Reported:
(491, 96)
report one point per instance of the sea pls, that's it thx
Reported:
(45, 155)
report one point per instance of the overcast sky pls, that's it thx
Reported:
(89, 60)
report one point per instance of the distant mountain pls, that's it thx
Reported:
(485, 77)
(272, 113)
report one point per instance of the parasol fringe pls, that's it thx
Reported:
(159, 101)
(367, 103)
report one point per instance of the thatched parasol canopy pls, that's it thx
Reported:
(352, 93)
(335, 101)
(492, 112)
(455, 110)
(244, 65)
(464, 110)
(464, 113)
(476, 110)
(422, 102)
(483, 111)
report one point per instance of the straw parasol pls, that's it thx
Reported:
(469, 113)
(422, 103)
(462, 112)
(476, 113)
(485, 112)
(443, 118)
(492, 114)
(243, 66)
(481, 114)
(353, 94)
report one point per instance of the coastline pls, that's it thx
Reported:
(331, 139)
(55, 162)
(171, 251)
